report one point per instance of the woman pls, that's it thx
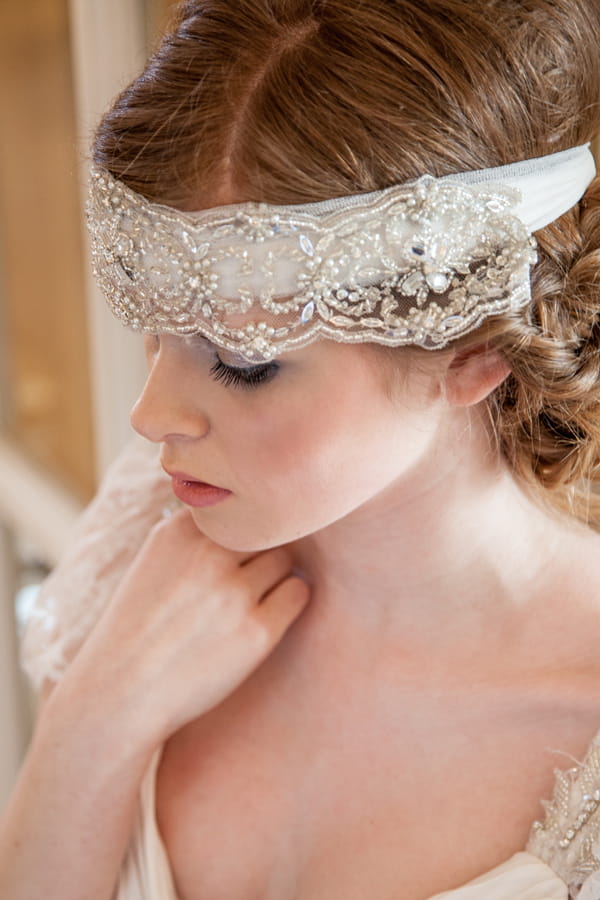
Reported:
(349, 663)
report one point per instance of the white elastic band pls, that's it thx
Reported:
(549, 185)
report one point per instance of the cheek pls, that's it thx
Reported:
(289, 443)
(304, 459)
(346, 443)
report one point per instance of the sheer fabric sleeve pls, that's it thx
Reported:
(133, 495)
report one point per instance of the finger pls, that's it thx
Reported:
(262, 573)
(280, 608)
(182, 523)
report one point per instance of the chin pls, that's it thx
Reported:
(236, 540)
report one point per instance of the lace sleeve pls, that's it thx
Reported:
(132, 496)
(568, 839)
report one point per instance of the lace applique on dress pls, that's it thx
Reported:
(568, 839)
(132, 496)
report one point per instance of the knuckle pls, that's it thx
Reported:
(239, 592)
(258, 633)
(228, 596)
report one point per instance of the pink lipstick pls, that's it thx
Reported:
(196, 493)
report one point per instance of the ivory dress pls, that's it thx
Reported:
(561, 860)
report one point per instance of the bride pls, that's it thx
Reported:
(330, 627)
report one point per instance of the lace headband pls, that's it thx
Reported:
(419, 263)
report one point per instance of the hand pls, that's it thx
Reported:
(187, 625)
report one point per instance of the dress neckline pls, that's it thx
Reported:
(561, 858)
(524, 875)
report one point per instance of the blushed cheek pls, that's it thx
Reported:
(285, 450)
(310, 448)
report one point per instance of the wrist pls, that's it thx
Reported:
(89, 716)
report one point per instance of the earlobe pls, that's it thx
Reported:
(473, 374)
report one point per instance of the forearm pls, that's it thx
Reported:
(67, 826)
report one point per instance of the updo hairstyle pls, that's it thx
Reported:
(290, 101)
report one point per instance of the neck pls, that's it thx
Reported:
(444, 552)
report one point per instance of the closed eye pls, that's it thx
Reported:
(230, 376)
(246, 377)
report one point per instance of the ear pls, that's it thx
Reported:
(473, 374)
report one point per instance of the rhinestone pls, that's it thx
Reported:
(412, 283)
(323, 309)
(438, 282)
(438, 250)
(374, 260)
(190, 243)
(308, 312)
(306, 245)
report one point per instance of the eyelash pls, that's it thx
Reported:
(247, 378)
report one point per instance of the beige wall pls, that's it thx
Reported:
(43, 301)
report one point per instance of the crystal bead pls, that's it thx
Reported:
(412, 283)
(308, 312)
(306, 245)
(438, 282)
(438, 250)
(387, 258)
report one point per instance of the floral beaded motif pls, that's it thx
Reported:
(421, 263)
(568, 839)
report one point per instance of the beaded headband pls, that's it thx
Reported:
(419, 263)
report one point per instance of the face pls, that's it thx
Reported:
(300, 442)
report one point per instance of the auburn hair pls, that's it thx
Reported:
(289, 101)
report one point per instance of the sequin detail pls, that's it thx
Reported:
(422, 263)
(568, 839)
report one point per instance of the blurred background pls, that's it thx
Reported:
(68, 371)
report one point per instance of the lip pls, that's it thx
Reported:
(183, 476)
(197, 494)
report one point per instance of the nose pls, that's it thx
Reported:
(168, 406)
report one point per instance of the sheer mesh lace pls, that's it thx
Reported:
(132, 496)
